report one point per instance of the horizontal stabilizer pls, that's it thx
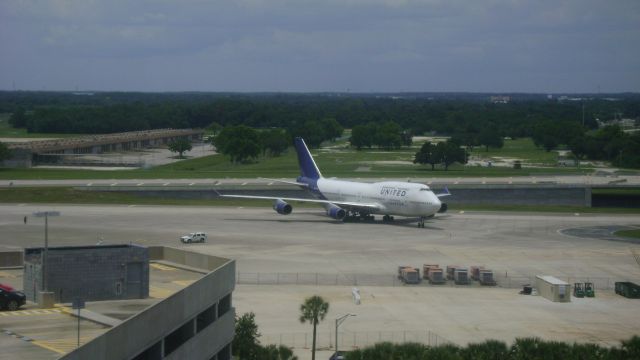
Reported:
(445, 193)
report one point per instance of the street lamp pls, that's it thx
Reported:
(45, 215)
(340, 320)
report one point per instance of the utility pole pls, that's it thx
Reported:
(46, 215)
(340, 320)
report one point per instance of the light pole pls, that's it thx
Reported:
(340, 320)
(46, 215)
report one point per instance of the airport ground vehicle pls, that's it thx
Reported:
(11, 299)
(194, 237)
(589, 290)
(578, 290)
(409, 274)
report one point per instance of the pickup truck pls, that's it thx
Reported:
(194, 237)
(11, 299)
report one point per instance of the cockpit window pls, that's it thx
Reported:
(425, 189)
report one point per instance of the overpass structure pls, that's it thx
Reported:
(61, 151)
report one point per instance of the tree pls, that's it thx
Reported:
(246, 345)
(427, 155)
(313, 310)
(449, 152)
(361, 136)
(388, 136)
(274, 141)
(273, 352)
(490, 137)
(331, 128)
(238, 142)
(214, 127)
(5, 152)
(19, 118)
(180, 145)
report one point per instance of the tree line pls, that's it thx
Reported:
(381, 121)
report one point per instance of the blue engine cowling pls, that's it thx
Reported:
(336, 212)
(443, 208)
(282, 207)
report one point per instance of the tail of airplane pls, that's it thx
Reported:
(308, 167)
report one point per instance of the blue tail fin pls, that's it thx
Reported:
(308, 167)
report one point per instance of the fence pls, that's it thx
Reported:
(352, 340)
(345, 279)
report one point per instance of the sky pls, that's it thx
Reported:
(540, 46)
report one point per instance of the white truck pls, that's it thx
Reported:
(194, 237)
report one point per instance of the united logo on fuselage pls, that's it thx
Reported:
(393, 191)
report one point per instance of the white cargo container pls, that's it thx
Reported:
(553, 288)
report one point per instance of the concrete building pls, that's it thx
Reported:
(553, 288)
(196, 322)
(92, 273)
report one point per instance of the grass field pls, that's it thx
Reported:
(335, 159)
(629, 233)
(68, 195)
(523, 149)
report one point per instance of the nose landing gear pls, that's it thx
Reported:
(421, 222)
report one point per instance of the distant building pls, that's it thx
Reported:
(500, 99)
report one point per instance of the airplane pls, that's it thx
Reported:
(351, 200)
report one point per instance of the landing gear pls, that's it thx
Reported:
(387, 218)
(421, 222)
(354, 216)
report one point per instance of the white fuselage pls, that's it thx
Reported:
(393, 197)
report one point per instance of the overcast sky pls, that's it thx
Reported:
(542, 46)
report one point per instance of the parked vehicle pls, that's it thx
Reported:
(589, 289)
(409, 274)
(578, 290)
(194, 237)
(628, 289)
(11, 299)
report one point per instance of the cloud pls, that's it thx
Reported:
(371, 45)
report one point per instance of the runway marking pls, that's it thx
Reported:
(183, 282)
(192, 184)
(22, 204)
(62, 346)
(244, 183)
(165, 184)
(131, 206)
(139, 184)
(114, 184)
(31, 312)
(161, 267)
(159, 293)
(89, 184)
(269, 184)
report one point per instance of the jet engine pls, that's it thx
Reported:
(336, 212)
(281, 207)
(443, 208)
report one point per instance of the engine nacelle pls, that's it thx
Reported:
(336, 212)
(443, 208)
(281, 207)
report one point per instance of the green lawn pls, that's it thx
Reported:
(69, 195)
(629, 233)
(523, 149)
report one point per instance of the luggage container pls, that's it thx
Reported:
(451, 269)
(553, 289)
(461, 277)
(426, 267)
(409, 274)
(436, 276)
(475, 272)
(628, 289)
(485, 277)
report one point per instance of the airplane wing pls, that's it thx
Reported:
(286, 182)
(445, 193)
(342, 204)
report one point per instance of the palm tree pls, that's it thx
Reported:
(313, 310)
